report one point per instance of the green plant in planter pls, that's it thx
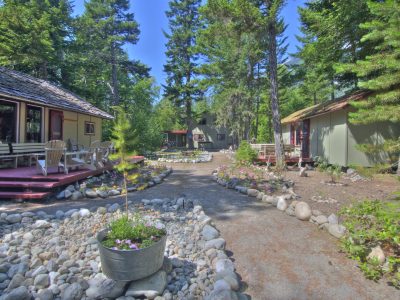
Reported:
(132, 234)
(127, 233)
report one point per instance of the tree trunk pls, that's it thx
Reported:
(114, 77)
(273, 77)
(398, 167)
(189, 123)
(315, 98)
(257, 117)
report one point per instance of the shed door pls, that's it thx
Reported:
(56, 125)
(305, 139)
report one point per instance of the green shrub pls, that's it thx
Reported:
(131, 234)
(333, 171)
(369, 224)
(245, 154)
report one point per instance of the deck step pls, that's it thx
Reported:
(23, 195)
(28, 184)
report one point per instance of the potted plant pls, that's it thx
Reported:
(130, 249)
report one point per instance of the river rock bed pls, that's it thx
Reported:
(56, 256)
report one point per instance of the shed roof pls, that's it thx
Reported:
(326, 107)
(21, 86)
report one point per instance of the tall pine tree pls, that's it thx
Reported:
(106, 26)
(34, 36)
(380, 71)
(181, 84)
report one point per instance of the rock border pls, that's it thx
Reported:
(79, 191)
(204, 158)
(299, 209)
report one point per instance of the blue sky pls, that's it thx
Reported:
(150, 14)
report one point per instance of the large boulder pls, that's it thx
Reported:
(303, 211)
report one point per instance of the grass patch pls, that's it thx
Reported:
(374, 223)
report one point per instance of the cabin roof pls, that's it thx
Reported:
(24, 87)
(326, 107)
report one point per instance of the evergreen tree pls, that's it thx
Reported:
(181, 84)
(380, 71)
(331, 35)
(34, 35)
(105, 27)
(234, 62)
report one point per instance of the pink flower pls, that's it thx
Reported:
(133, 246)
(118, 241)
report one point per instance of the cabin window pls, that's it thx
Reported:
(8, 122)
(220, 137)
(199, 137)
(203, 121)
(89, 128)
(33, 124)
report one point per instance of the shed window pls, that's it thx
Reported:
(8, 122)
(89, 128)
(220, 137)
(203, 121)
(33, 124)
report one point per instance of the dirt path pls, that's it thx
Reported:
(278, 257)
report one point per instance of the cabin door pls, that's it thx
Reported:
(56, 125)
(305, 139)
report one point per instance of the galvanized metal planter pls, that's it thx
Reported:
(129, 265)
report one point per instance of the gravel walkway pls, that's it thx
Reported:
(278, 257)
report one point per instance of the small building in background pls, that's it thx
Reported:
(324, 130)
(205, 134)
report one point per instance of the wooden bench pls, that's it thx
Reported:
(16, 150)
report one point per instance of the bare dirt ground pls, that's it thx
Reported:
(328, 198)
(277, 256)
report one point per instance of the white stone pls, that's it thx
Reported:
(41, 224)
(282, 204)
(302, 211)
(378, 254)
(84, 212)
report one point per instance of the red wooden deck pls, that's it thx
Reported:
(26, 183)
